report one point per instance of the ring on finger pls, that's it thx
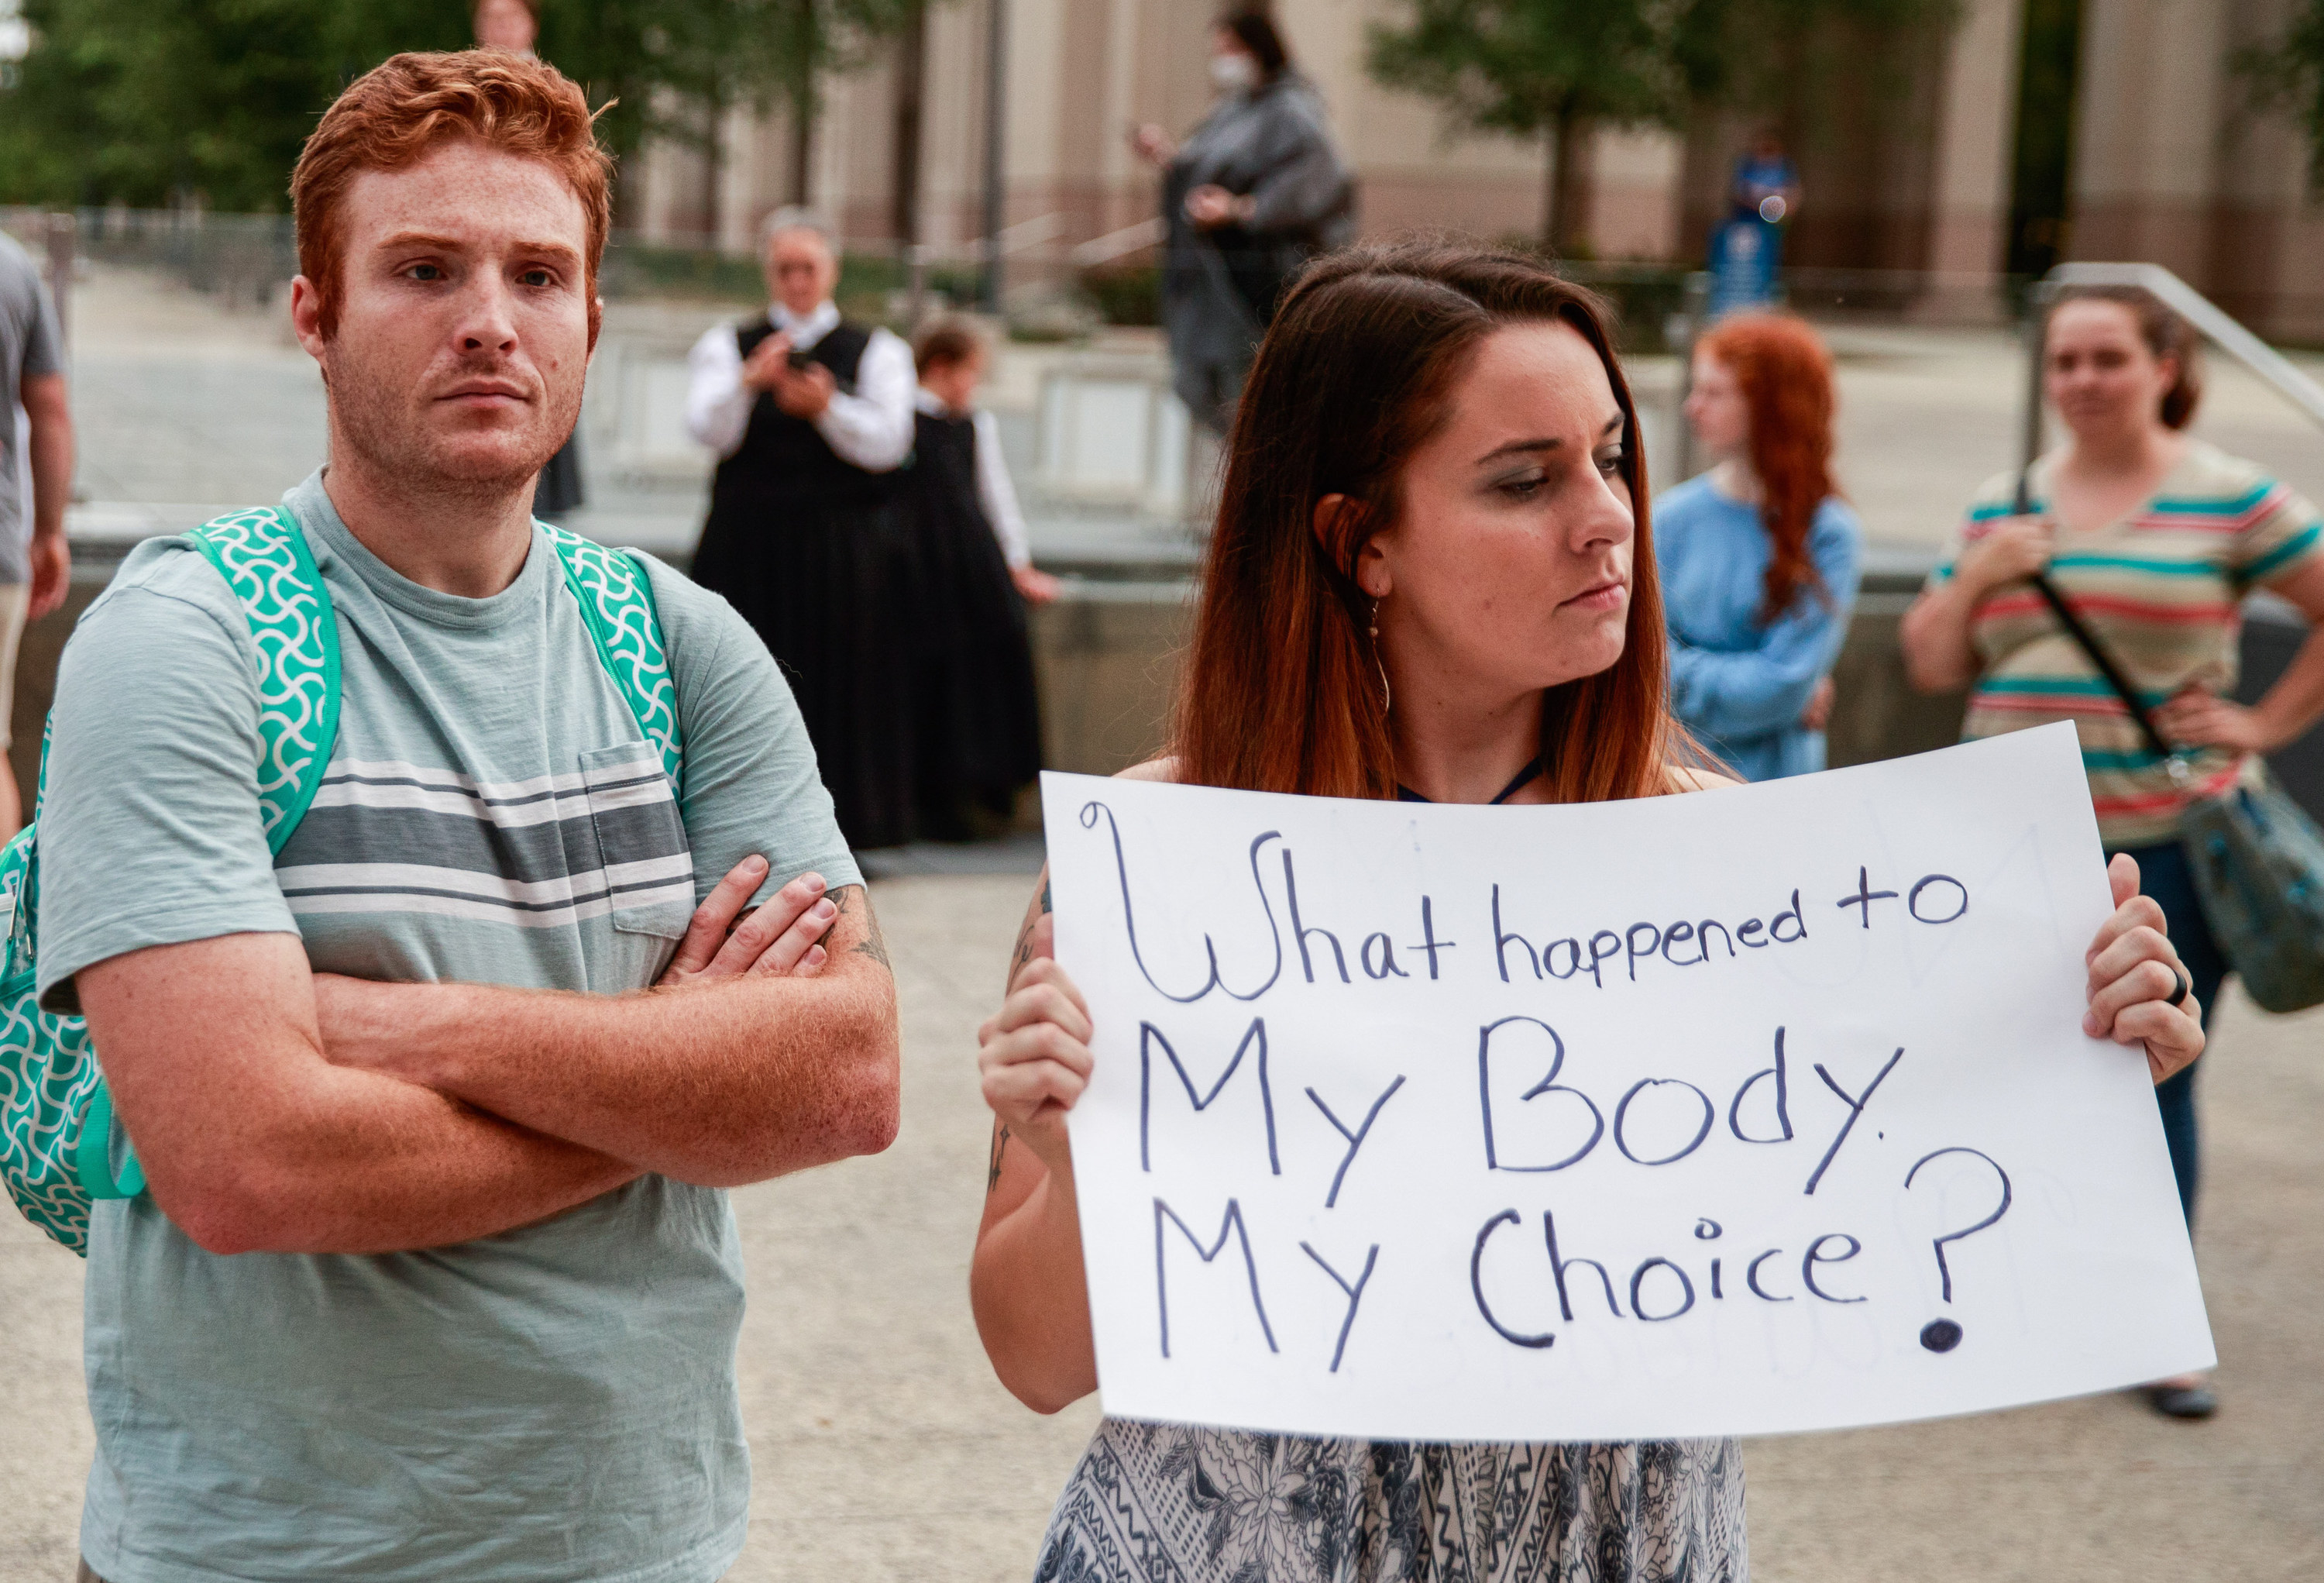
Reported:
(2186, 987)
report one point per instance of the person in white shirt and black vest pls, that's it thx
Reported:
(811, 416)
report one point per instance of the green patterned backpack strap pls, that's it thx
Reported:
(617, 605)
(56, 1116)
(263, 556)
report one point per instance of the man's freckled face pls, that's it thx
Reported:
(465, 319)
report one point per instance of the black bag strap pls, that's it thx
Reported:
(2082, 635)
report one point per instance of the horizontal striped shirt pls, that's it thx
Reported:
(555, 1402)
(2162, 589)
(384, 835)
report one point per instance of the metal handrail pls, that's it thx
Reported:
(2208, 317)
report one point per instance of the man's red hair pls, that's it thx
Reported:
(397, 113)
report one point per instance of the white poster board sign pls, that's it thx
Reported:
(1760, 1109)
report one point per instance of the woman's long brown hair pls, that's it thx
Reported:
(1785, 374)
(1281, 689)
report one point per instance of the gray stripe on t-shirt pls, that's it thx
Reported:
(393, 837)
(524, 852)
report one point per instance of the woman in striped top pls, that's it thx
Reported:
(2154, 537)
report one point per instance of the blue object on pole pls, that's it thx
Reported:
(1744, 255)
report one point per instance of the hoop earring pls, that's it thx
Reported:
(1387, 698)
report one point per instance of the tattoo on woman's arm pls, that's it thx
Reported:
(1000, 1143)
(1024, 951)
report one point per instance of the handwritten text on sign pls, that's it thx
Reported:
(1760, 1109)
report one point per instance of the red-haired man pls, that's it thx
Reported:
(435, 1278)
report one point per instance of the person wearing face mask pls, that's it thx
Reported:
(2153, 538)
(1256, 190)
(1759, 554)
(1422, 421)
(811, 416)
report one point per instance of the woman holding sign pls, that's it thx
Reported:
(2153, 538)
(1432, 579)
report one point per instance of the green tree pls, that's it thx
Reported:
(676, 66)
(1536, 68)
(143, 101)
(2288, 74)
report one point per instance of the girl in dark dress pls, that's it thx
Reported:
(977, 737)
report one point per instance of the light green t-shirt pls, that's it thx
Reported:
(552, 1403)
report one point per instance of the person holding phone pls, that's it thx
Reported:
(2153, 538)
(811, 416)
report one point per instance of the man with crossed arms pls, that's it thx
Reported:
(435, 1279)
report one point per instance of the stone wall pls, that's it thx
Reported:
(1107, 658)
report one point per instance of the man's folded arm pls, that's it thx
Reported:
(714, 1084)
(251, 1141)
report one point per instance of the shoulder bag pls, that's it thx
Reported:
(2257, 858)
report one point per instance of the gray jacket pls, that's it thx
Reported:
(1219, 287)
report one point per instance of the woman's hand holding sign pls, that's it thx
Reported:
(2138, 989)
(1026, 1284)
(1035, 1055)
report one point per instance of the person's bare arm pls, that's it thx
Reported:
(715, 1083)
(452, 1173)
(1935, 633)
(50, 413)
(251, 1141)
(2290, 707)
(1026, 1283)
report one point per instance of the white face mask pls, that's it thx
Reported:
(1234, 73)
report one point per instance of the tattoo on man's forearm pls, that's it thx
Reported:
(1000, 1143)
(874, 944)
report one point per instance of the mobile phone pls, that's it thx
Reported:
(799, 362)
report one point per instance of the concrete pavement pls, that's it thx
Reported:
(885, 1450)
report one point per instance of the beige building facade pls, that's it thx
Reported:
(1078, 75)
(1906, 142)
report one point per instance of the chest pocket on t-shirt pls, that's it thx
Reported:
(647, 879)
